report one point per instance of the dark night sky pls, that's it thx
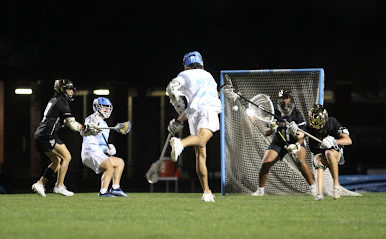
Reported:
(142, 43)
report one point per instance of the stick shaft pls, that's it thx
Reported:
(165, 147)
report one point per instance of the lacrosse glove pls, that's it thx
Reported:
(230, 94)
(274, 126)
(292, 128)
(111, 150)
(328, 143)
(175, 126)
(90, 130)
(293, 148)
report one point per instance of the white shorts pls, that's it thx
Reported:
(93, 159)
(204, 119)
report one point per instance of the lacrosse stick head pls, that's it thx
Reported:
(152, 174)
(123, 128)
(262, 108)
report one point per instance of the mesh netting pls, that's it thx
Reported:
(245, 143)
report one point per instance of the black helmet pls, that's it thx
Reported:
(62, 85)
(283, 108)
(317, 116)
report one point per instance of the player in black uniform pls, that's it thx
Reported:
(329, 153)
(278, 147)
(56, 115)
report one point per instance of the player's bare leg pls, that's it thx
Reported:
(304, 168)
(201, 169)
(270, 158)
(62, 151)
(118, 166)
(200, 139)
(108, 170)
(332, 157)
(319, 162)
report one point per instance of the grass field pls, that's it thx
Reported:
(171, 215)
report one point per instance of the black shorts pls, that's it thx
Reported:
(279, 148)
(47, 143)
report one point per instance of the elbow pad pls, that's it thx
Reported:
(72, 124)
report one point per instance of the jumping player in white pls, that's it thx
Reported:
(329, 153)
(203, 106)
(48, 143)
(98, 155)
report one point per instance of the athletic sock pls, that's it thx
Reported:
(115, 186)
(103, 190)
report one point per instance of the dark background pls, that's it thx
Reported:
(140, 45)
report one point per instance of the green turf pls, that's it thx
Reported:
(170, 215)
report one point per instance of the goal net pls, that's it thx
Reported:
(242, 141)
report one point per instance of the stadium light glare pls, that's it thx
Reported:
(23, 91)
(101, 92)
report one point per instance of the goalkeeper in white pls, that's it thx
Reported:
(97, 154)
(329, 153)
(203, 106)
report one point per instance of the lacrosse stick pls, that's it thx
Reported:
(122, 128)
(152, 174)
(261, 107)
(264, 118)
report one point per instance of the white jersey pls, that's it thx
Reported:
(200, 90)
(97, 142)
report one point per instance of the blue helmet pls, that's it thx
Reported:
(192, 57)
(103, 106)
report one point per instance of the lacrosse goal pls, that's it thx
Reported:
(242, 142)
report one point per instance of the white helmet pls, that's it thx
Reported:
(103, 106)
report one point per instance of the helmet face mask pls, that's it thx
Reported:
(103, 107)
(285, 103)
(317, 117)
(193, 57)
(61, 86)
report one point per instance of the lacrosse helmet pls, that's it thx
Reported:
(102, 106)
(284, 107)
(317, 116)
(61, 86)
(192, 57)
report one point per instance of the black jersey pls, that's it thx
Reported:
(57, 109)
(331, 128)
(294, 116)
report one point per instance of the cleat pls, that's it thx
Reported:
(207, 197)
(63, 191)
(177, 148)
(259, 192)
(118, 192)
(39, 189)
(336, 193)
(319, 197)
(106, 195)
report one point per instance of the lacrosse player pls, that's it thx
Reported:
(48, 143)
(203, 106)
(286, 140)
(328, 153)
(98, 155)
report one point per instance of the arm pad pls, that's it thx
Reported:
(73, 125)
